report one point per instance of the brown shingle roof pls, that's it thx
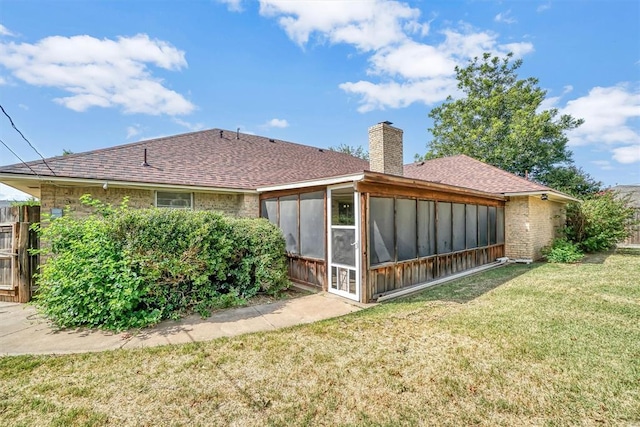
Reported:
(465, 171)
(202, 159)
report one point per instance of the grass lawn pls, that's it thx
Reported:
(538, 344)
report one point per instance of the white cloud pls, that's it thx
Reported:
(232, 5)
(193, 127)
(397, 95)
(3, 81)
(412, 60)
(133, 130)
(628, 154)
(403, 68)
(505, 18)
(550, 102)
(416, 72)
(603, 164)
(4, 31)
(543, 7)
(277, 123)
(101, 73)
(610, 118)
(367, 25)
(607, 113)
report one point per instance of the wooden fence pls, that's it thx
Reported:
(17, 264)
(634, 237)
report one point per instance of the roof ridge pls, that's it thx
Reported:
(180, 135)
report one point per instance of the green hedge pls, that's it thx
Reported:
(599, 222)
(121, 268)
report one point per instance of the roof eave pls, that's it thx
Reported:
(421, 183)
(119, 183)
(554, 195)
(313, 183)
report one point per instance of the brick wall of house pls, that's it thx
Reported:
(546, 218)
(516, 228)
(530, 225)
(385, 149)
(54, 196)
(245, 205)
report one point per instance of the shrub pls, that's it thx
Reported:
(599, 222)
(123, 268)
(563, 251)
(87, 280)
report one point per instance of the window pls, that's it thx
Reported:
(289, 222)
(312, 233)
(270, 210)
(406, 229)
(175, 200)
(342, 212)
(458, 227)
(483, 224)
(381, 230)
(426, 228)
(444, 221)
(472, 226)
(303, 231)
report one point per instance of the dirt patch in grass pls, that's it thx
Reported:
(537, 345)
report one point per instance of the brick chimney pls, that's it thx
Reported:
(385, 149)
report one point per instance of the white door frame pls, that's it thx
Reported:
(356, 243)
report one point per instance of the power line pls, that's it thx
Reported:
(23, 162)
(25, 138)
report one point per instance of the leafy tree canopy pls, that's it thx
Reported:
(353, 151)
(571, 180)
(498, 120)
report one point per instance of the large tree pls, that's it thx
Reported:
(570, 179)
(352, 151)
(499, 120)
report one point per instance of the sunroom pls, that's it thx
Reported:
(370, 235)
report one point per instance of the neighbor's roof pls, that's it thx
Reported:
(465, 171)
(633, 191)
(204, 159)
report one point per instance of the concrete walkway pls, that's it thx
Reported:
(23, 331)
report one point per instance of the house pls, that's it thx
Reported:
(355, 228)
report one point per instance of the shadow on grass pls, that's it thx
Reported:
(469, 288)
(597, 257)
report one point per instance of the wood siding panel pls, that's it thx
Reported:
(383, 279)
(307, 271)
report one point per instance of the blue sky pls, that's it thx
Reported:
(86, 75)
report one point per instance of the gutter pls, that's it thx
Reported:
(416, 288)
(553, 193)
(127, 184)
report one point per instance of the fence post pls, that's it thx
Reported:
(24, 266)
